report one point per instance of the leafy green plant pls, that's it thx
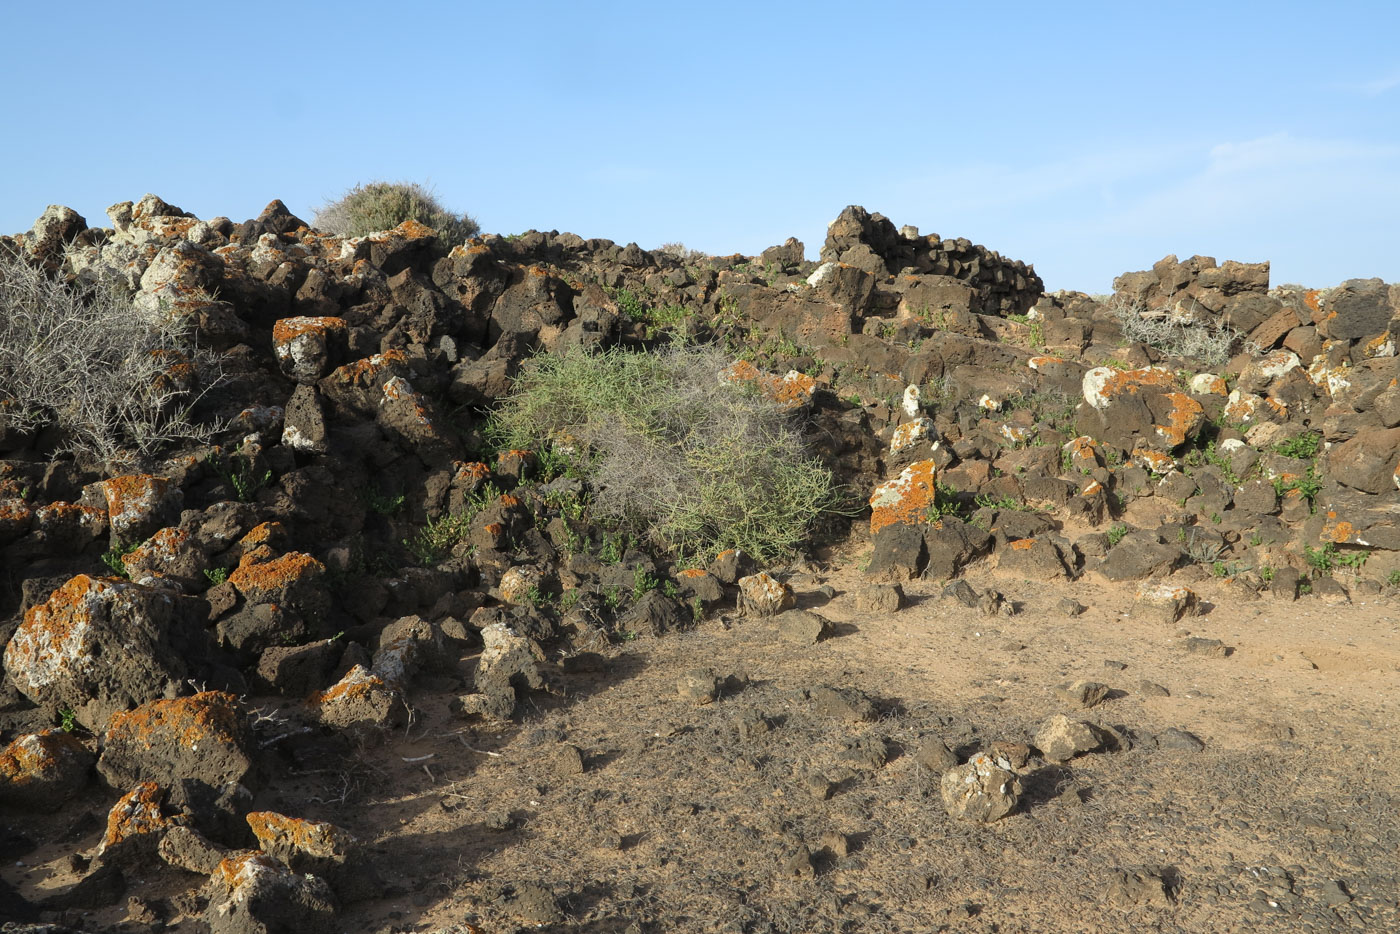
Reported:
(435, 540)
(375, 206)
(1353, 559)
(216, 576)
(112, 557)
(1266, 574)
(383, 504)
(1321, 560)
(67, 720)
(683, 459)
(1393, 578)
(1304, 446)
(538, 598)
(1209, 454)
(643, 582)
(1309, 485)
(1005, 502)
(1116, 533)
(240, 475)
(946, 502)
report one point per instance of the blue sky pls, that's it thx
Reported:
(1086, 138)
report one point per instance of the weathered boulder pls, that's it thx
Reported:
(171, 554)
(1163, 603)
(1061, 738)
(360, 702)
(1036, 558)
(653, 615)
(1138, 409)
(135, 826)
(1139, 555)
(307, 347)
(138, 505)
(317, 848)
(98, 647)
(204, 738)
(1368, 462)
(41, 771)
(981, 790)
(762, 594)
(1356, 309)
(253, 893)
(508, 661)
(292, 581)
(803, 627)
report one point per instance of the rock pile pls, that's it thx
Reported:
(343, 538)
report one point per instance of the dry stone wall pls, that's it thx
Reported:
(304, 552)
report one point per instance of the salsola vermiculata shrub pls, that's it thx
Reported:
(376, 206)
(116, 380)
(1190, 337)
(693, 462)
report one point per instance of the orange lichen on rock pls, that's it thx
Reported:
(765, 595)
(693, 573)
(1337, 530)
(472, 472)
(287, 330)
(284, 836)
(262, 578)
(136, 814)
(264, 533)
(1022, 544)
(1104, 384)
(210, 716)
(1154, 461)
(911, 433)
(15, 517)
(38, 757)
(57, 635)
(362, 372)
(790, 391)
(161, 548)
(905, 499)
(1184, 420)
(1083, 453)
(358, 682)
(413, 230)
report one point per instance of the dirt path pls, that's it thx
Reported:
(761, 812)
(689, 818)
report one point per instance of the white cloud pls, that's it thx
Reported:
(1376, 86)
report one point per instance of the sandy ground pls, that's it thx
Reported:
(758, 812)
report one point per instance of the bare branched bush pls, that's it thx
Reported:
(119, 382)
(694, 463)
(682, 252)
(1177, 336)
(376, 206)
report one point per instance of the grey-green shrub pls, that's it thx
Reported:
(83, 357)
(1201, 342)
(376, 206)
(694, 463)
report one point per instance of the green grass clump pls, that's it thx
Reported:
(376, 206)
(684, 459)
